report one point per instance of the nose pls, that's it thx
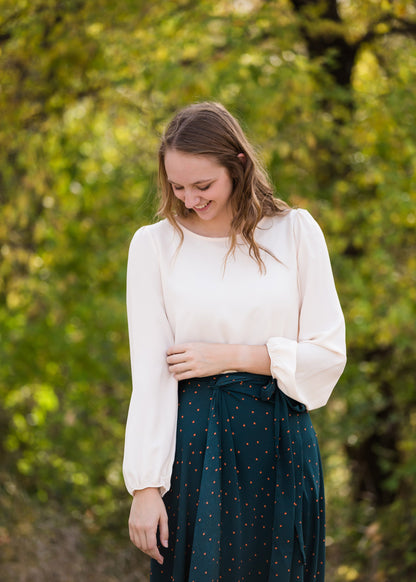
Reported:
(191, 199)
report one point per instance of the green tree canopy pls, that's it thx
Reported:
(326, 90)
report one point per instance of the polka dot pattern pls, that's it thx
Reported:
(247, 497)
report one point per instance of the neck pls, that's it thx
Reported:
(217, 229)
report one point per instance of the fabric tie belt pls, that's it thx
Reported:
(287, 519)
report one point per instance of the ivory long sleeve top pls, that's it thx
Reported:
(178, 294)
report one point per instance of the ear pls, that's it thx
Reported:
(242, 158)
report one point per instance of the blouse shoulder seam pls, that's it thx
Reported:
(152, 232)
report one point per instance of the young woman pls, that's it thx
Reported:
(236, 332)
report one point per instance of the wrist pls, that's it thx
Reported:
(147, 492)
(247, 358)
(232, 357)
(235, 357)
(241, 357)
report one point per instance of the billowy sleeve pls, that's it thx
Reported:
(151, 423)
(308, 368)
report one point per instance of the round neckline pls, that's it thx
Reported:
(215, 238)
(204, 236)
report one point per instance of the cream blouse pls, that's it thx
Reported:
(178, 294)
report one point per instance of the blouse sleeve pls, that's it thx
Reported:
(308, 368)
(151, 422)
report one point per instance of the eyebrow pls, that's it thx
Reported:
(195, 183)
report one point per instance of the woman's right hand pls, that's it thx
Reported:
(147, 514)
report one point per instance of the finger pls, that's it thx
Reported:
(164, 530)
(147, 543)
(151, 547)
(186, 375)
(177, 349)
(154, 554)
(133, 537)
(181, 367)
(137, 537)
(176, 358)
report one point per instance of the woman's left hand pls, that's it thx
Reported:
(197, 359)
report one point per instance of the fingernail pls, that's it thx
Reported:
(165, 543)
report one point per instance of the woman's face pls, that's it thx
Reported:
(203, 186)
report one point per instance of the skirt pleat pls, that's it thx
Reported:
(247, 498)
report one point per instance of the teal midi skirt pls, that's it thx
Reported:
(247, 495)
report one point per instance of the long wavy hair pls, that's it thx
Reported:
(208, 129)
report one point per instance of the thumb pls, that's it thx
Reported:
(164, 530)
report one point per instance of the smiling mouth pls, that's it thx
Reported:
(202, 206)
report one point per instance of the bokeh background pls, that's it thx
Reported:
(326, 89)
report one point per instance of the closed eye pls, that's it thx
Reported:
(200, 188)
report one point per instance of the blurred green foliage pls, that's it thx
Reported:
(326, 90)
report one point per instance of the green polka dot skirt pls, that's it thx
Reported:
(247, 496)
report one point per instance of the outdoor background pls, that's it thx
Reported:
(326, 90)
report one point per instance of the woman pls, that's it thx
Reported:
(235, 333)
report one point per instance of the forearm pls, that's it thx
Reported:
(200, 359)
(246, 358)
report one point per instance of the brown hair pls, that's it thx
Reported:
(209, 129)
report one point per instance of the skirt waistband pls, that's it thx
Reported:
(242, 382)
(256, 385)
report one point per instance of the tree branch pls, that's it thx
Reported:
(329, 9)
(398, 26)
